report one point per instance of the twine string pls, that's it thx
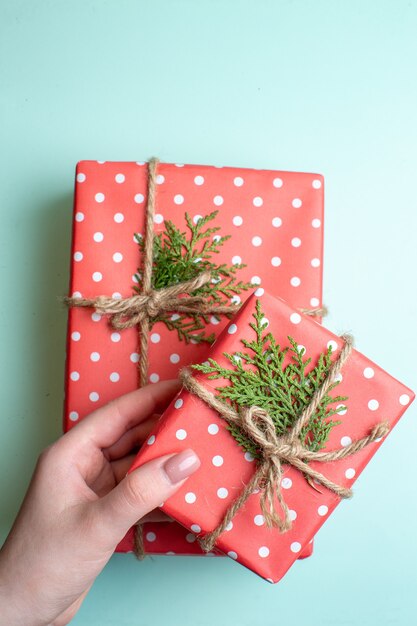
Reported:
(144, 323)
(139, 542)
(276, 450)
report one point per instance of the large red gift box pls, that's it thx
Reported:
(373, 396)
(275, 222)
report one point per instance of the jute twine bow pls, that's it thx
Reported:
(276, 450)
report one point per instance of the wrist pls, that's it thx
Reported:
(15, 608)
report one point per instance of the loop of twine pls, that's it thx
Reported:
(276, 450)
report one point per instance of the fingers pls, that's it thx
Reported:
(130, 439)
(156, 516)
(106, 425)
(121, 467)
(140, 492)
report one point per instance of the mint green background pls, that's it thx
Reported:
(326, 86)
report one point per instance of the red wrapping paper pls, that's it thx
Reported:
(373, 396)
(275, 222)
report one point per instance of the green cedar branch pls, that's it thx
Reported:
(258, 377)
(179, 256)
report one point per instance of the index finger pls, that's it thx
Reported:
(106, 425)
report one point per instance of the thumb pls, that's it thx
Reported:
(142, 491)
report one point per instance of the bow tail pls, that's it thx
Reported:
(208, 542)
(272, 474)
(342, 492)
(121, 321)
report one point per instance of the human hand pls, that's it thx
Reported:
(80, 504)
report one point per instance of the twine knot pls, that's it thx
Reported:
(260, 427)
(149, 305)
(152, 305)
(136, 308)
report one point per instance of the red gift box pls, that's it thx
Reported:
(275, 222)
(373, 396)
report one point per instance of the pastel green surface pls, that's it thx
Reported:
(326, 86)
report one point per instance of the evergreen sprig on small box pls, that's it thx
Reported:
(179, 256)
(259, 376)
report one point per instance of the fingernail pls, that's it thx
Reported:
(181, 465)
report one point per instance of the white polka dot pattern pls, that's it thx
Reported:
(225, 467)
(110, 204)
(404, 399)
(263, 552)
(368, 372)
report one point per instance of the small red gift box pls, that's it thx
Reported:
(373, 396)
(275, 222)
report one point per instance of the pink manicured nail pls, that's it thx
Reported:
(181, 465)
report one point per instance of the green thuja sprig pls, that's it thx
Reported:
(260, 377)
(180, 256)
